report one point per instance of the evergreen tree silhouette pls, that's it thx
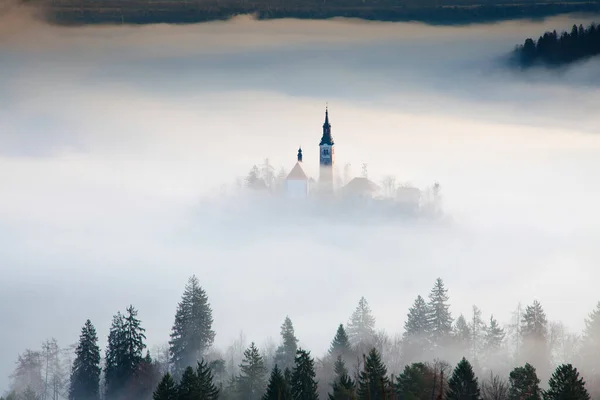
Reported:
(463, 383)
(565, 384)
(85, 374)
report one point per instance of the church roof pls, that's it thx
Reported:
(362, 185)
(297, 173)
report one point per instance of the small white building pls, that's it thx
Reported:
(297, 183)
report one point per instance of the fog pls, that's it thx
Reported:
(116, 143)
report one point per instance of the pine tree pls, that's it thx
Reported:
(373, 382)
(286, 352)
(439, 319)
(85, 374)
(416, 322)
(192, 332)
(477, 328)
(463, 383)
(208, 390)
(340, 346)
(146, 377)
(189, 388)
(415, 343)
(304, 385)
(462, 335)
(124, 353)
(534, 330)
(343, 387)
(113, 375)
(278, 388)
(565, 384)
(494, 335)
(251, 382)
(524, 384)
(197, 385)
(361, 327)
(166, 389)
(414, 383)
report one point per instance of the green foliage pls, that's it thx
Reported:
(463, 383)
(251, 382)
(439, 318)
(197, 385)
(524, 384)
(565, 384)
(192, 332)
(340, 344)
(534, 331)
(278, 388)
(304, 385)
(343, 387)
(166, 389)
(286, 352)
(124, 353)
(85, 374)
(373, 382)
(414, 383)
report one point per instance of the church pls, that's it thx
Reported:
(299, 186)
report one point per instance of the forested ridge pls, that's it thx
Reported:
(436, 357)
(446, 12)
(553, 49)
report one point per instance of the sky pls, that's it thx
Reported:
(117, 144)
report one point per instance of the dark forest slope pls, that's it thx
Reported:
(553, 49)
(191, 11)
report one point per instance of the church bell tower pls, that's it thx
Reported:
(326, 157)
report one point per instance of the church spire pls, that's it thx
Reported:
(326, 138)
(300, 154)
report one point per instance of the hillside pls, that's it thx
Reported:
(191, 11)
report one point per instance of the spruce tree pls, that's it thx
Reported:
(304, 385)
(340, 346)
(361, 327)
(166, 389)
(534, 331)
(251, 382)
(524, 384)
(415, 340)
(278, 388)
(124, 353)
(188, 388)
(114, 360)
(462, 335)
(439, 319)
(208, 390)
(85, 374)
(565, 384)
(494, 335)
(343, 387)
(192, 332)
(477, 328)
(373, 383)
(414, 383)
(286, 353)
(463, 383)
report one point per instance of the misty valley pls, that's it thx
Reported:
(256, 207)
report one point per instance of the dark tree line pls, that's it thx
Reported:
(554, 50)
(361, 363)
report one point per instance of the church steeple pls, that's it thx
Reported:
(300, 154)
(326, 138)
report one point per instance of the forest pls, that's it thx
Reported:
(449, 12)
(436, 357)
(552, 49)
